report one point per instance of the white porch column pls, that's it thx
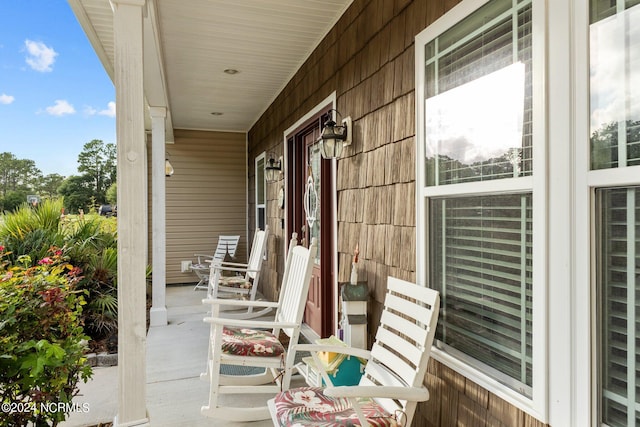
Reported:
(132, 212)
(158, 314)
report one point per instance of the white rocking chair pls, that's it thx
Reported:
(392, 383)
(244, 286)
(233, 342)
(201, 266)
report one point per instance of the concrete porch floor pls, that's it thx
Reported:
(176, 355)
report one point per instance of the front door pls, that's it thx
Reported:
(310, 179)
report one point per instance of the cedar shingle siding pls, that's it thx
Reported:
(368, 59)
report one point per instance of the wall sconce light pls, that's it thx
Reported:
(273, 169)
(334, 137)
(168, 168)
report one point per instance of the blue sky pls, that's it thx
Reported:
(54, 93)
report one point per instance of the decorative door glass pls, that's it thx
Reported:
(314, 157)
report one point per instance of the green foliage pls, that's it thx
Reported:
(89, 242)
(12, 200)
(19, 175)
(42, 342)
(97, 162)
(112, 194)
(96, 250)
(32, 231)
(49, 185)
(77, 193)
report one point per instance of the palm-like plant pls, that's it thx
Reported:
(101, 282)
(32, 231)
(89, 243)
(93, 246)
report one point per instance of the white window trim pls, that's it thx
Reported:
(262, 157)
(584, 371)
(537, 404)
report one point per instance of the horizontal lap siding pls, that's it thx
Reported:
(206, 196)
(368, 58)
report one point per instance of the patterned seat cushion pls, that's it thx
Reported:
(235, 282)
(308, 406)
(250, 342)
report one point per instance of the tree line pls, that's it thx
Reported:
(95, 183)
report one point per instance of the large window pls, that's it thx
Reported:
(477, 158)
(614, 63)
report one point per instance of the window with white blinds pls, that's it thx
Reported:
(482, 263)
(478, 129)
(619, 304)
(614, 62)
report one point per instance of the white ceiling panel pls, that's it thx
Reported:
(196, 40)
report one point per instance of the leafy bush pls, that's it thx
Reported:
(89, 242)
(29, 231)
(42, 342)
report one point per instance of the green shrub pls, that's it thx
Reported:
(89, 242)
(32, 231)
(92, 244)
(41, 339)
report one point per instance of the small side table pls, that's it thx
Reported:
(354, 313)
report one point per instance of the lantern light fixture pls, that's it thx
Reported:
(273, 168)
(168, 168)
(335, 137)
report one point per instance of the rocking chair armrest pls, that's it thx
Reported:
(417, 394)
(227, 263)
(350, 351)
(249, 323)
(238, 269)
(240, 303)
(203, 256)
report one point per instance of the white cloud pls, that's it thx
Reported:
(110, 111)
(40, 57)
(60, 108)
(6, 99)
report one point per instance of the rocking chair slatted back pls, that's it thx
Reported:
(297, 270)
(258, 249)
(226, 244)
(394, 371)
(403, 337)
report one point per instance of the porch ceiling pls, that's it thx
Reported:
(189, 44)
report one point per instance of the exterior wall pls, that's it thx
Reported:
(368, 59)
(206, 197)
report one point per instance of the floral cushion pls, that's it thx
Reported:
(250, 342)
(308, 406)
(235, 282)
